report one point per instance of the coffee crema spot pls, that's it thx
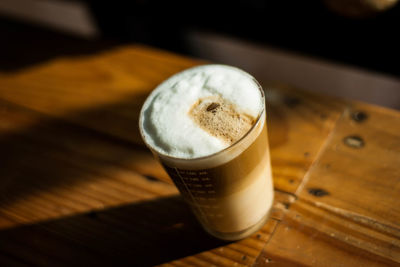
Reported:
(221, 118)
(212, 106)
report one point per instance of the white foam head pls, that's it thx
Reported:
(164, 120)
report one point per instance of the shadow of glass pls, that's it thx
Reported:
(141, 234)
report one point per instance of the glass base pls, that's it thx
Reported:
(233, 236)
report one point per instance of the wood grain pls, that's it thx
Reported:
(363, 180)
(299, 124)
(309, 235)
(118, 80)
(347, 211)
(78, 187)
(243, 252)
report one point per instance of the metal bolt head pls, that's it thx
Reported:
(318, 192)
(359, 116)
(354, 141)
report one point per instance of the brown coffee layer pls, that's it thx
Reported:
(221, 118)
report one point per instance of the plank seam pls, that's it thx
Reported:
(318, 156)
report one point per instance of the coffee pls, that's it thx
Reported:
(221, 119)
(207, 127)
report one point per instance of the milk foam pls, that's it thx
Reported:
(166, 124)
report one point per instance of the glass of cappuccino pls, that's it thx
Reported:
(207, 127)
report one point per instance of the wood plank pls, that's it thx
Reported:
(246, 251)
(310, 236)
(54, 168)
(364, 180)
(143, 233)
(347, 210)
(119, 80)
(299, 123)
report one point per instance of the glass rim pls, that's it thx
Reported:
(257, 120)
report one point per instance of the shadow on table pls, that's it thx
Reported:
(140, 234)
(47, 152)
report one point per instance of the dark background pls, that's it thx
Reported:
(307, 27)
(303, 26)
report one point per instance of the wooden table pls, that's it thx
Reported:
(79, 188)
